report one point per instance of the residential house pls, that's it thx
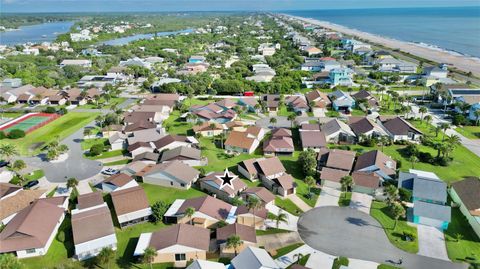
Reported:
(313, 66)
(214, 184)
(367, 182)
(429, 197)
(280, 143)
(203, 264)
(147, 158)
(319, 99)
(331, 177)
(97, 81)
(390, 64)
(176, 244)
(265, 196)
(365, 96)
(297, 103)
(246, 233)
(193, 69)
(144, 135)
(333, 165)
(435, 71)
(131, 206)
(208, 129)
(341, 76)
(197, 59)
(330, 64)
(365, 127)
(136, 117)
(254, 258)
(337, 131)
(399, 129)
(11, 83)
(244, 142)
(93, 230)
(208, 211)
(174, 141)
(187, 155)
(89, 200)
(377, 162)
(212, 113)
(252, 217)
(249, 103)
(312, 137)
(9, 190)
(273, 175)
(117, 141)
(32, 230)
(272, 102)
(80, 62)
(310, 50)
(13, 201)
(163, 99)
(465, 194)
(139, 148)
(171, 174)
(341, 101)
(118, 182)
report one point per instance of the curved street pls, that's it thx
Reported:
(343, 231)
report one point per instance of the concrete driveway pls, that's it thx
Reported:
(343, 231)
(361, 201)
(328, 197)
(292, 220)
(431, 242)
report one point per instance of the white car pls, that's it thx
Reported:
(110, 171)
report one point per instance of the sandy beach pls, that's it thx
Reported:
(464, 63)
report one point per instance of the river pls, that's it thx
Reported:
(125, 40)
(44, 32)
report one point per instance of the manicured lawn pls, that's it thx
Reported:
(345, 199)
(61, 128)
(114, 101)
(468, 246)
(107, 154)
(34, 176)
(288, 206)
(381, 213)
(11, 115)
(332, 113)
(168, 195)
(287, 249)
(303, 261)
(120, 162)
(271, 231)
(88, 143)
(339, 262)
(283, 111)
(176, 125)
(471, 132)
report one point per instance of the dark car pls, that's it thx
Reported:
(31, 184)
(3, 164)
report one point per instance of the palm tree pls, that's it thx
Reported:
(72, 182)
(298, 257)
(413, 159)
(149, 255)
(105, 256)
(234, 242)
(452, 142)
(444, 126)
(189, 213)
(392, 194)
(7, 151)
(87, 132)
(281, 217)
(291, 118)
(346, 182)
(310, 181)
(422, 111)
(273, 121)
(252, 204)
(476, 113)
(428, 119)
(397, 211)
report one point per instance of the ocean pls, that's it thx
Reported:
(451, 28)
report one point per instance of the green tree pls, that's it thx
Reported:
(310, 181)
(105, 256)
(476, 113)
(392, 194)
(252, 204)
(397, 211)
(189, 212)
(234, 242)
(444, 127)
(273, 121)
(9, 261)
(428, 119)
(149, 255)
(308, 161)
(280, 217)
(346, 182)
(422, 111)
(158, 210)
(72, 182)
(413, 159)
(291, 117)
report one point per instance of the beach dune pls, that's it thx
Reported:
(461, 62)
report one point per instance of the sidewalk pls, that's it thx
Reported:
(276, 241)
(299, 202)
(361, 264)
(83, 187)
(289, 258)
(320, 260)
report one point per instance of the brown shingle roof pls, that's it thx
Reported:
(208, 205)
(271, 166)
(278, 143)
(176, 169)
(340, 159)
(246, 233)
(31, 227)
(286, 181)
(207, 126)
(399, 126)
(313, 139)
(129, 200)
(19, 201)
(7, 188)
(119, 179)
(366, 179)
(181, 234)
(332, 174)
(92, 224)
(181, 153)
(375, 157)
(469, 192)
(238, 184)
(90, 199)
(169, 139)
(279, 132)
(263, 194)
(239, 140)
(259, 212)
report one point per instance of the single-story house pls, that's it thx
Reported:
(118, 182)
(399, 129)
(377, 162)
(246, 233)
(254, 258)
(465, 194)
(174, 141)
(280, 143)
(203, 264)
(131, 206)
(319, 99)
(241, 142)
(312, 137)
(336, 159)
(139, 148)
(331, 177)
(252, 217)
(367, 96)
(262, 194)
(208, 211)
(341, 101)
(208, 129)
(187, 155)
(117, 141)
(171, 174)
(11, 204)
(367, 182)
(337, 131)
(213, 183)
(297, 103)
(363, 126)
(147, 158)
(177, 244)
(431, 214)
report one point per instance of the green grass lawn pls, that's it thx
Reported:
(381, 213)
(101, 104)
(120, 162)
(88, 143)
(168, 195)
(471, 132)
(34, 176)
(271, 231)
(286, 249)
(176, 125)
(62, 127)
(287, 205)
(303, 261)
(345, 199)
(11, 115)
(283, 111)
(107, 154)
(339, 262)
(468, 246)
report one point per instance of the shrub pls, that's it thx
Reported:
(96, 149)
(158, 210)
(62, 111)
(425, 157)
(442, 161)
(50, 110)
(16, 133)
(2, 135)
(459, 119)
(61, 236)
(405, 194)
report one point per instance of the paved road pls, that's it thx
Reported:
(343, 231)
(75, 166)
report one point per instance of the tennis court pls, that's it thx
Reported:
(29, 122)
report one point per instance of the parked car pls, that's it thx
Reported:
(31, 184)
(110, 171)
(3, 164)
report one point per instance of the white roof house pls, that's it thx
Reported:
(254, 258)
(202, 264)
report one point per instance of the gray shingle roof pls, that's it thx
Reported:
(433, 211)
(430, 189)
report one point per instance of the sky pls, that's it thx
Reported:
(213, 5)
